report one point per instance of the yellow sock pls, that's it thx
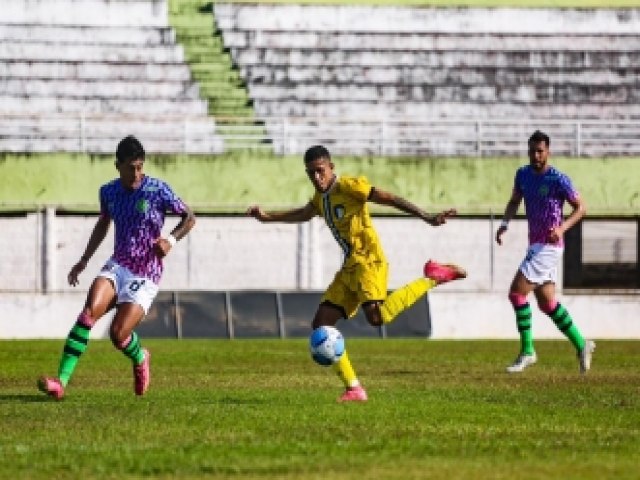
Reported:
(345, 371)
(404, 297)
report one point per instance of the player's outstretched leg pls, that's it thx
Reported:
(74, 346)
(443, 272)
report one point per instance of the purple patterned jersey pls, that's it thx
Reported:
(138, 216)
(544, 196)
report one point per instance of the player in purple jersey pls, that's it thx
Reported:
(128, 282)
(544, 190)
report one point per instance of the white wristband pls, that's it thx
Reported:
(504, 224)
(171, 239)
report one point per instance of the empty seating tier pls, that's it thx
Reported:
(78, 75)
(387, 67)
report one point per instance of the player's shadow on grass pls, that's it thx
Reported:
(23, 398)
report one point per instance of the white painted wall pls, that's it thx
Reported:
(455, 315)
(227, 253)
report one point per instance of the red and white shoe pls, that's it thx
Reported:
(443, 273)
(142, 374)
(354, 394)
(51, 386)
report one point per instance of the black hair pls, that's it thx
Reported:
(538, 137)
(316, 152)
(129, 149)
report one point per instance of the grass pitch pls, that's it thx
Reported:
(262, 409)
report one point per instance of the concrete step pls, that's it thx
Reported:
(101, 89)
(428, 41)
(422, 75)
(84, 34)
(433, 59)
(530, 94)
(87, 12)
(34, 104)
(98, 71)
(368, 19)
(59, 51)
(440, 109)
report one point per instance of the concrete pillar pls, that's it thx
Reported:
(49, 242)
(315, 256)
(302, 260)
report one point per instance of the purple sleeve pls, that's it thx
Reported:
(171, 202)
(567, 188)
(516, 184)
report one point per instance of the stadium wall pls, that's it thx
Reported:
(229, 183)
(454, 315)
(239, 254)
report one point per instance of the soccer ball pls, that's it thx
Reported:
(326, 345)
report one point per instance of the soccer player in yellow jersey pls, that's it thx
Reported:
(362, 279)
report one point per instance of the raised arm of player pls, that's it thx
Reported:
(296, 215)
(382, 197)
(97, 236)
(187, 222)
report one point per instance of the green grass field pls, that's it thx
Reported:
(262, 409)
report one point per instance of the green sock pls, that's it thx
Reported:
(133, 350)
(564, 322)
(74, 346)
(523, 320)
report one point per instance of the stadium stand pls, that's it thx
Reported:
(80, 76)
(218, 79)
(437, 80)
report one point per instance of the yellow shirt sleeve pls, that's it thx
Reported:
(356, 187)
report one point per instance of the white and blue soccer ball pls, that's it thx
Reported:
(326, 345)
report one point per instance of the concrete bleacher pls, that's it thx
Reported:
(387, 64)
(78, 75)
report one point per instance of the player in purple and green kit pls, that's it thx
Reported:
(544, 190)
(129, 280)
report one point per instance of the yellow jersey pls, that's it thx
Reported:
(344, 209)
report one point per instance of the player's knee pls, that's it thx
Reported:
(373, 314)
(547, 306)
(517, 299)
(87, 319)
(119, 335)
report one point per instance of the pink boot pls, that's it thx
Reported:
(51, 386)
(354, 394)
(443, 273)
(142, 374)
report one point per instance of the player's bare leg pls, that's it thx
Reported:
(328, 314)
(100, 299)
(128, 316)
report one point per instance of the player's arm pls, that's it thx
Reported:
(509, 212)
(382, 197)
(187, 222)
(97, 236)
(296, 215)
(579, 211)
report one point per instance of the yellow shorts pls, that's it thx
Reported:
(358, 284)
